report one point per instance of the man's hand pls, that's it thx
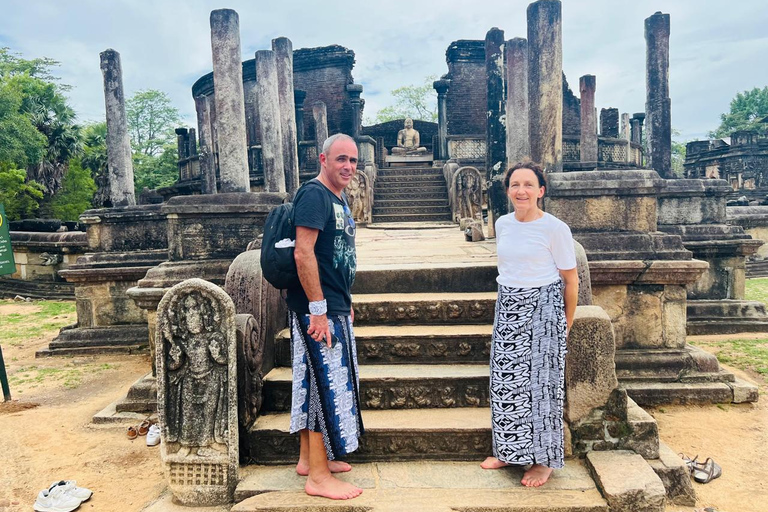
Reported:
(319, 329)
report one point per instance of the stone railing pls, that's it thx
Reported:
(466, 148)
(610, 151)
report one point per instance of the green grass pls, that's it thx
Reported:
(70, 376)
(16, 328)
(757, 289)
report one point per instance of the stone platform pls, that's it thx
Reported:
(424, 486)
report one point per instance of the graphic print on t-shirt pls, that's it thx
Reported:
(344, 254)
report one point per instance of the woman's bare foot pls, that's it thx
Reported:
(536, 476)
(492, 463)
(335, 466)
(331, 487)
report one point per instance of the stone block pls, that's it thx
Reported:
(744, 391)
(626, 481)
(675, 476)
(590, 372)
(196, 359)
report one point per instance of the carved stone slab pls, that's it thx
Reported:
(196, 357)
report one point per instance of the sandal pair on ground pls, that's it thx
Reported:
(145, 428)
(61, 496)
(702, 472)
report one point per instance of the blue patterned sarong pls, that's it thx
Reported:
(326, 385)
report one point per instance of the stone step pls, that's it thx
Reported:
(627, 481)
(666, 364)
(663, 393)
(409, 193)
(412, 217)
(116, 339)
(724, 325)
(416, 344)
(408, 181)
(421, 486)
(398, 387)
(390, 435)
(409, 171)
(411, 209)
(741, 309)
(422, 308)
(430, 202)
(478, 276)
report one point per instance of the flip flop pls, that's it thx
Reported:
(132, 433)
(706, 472)
(144, 427)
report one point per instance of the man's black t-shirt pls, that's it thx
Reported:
(317, 207)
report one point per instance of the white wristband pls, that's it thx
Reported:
(318, 307)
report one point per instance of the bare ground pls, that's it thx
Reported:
(47, 435)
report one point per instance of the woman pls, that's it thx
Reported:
(538, 291)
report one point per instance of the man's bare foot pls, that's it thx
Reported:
(335, 466)
(536, 476)
(331, 487)
(492, 463)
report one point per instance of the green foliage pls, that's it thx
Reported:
(414, 101)
(20, 197)
(151, 120)
(76, 193)
(678, 155)
(746, 111)
(20, 141)
(40, 101)
(155, 171)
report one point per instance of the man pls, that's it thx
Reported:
(326, 403)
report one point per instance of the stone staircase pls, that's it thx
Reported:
(410, 194)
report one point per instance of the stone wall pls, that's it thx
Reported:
(465, 99)
(743, 162)
(571, 111)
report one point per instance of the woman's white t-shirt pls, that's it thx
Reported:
(530, 253)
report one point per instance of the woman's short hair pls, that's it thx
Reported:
(536, 168)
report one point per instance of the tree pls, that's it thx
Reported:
(156, 171)
(44, 105)
(746, 111)
(20, 198)
(20, 142)
(75, 195)
(414, 101)
(151, 120)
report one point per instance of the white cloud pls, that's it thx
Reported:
(716, 49)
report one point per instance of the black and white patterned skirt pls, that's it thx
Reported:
(528, 375)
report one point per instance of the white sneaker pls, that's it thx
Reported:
(70, 488)
(55, 500)
(153, 436)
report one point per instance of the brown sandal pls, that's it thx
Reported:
(144, 427)
(132, 433)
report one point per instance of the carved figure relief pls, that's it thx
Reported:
(468, 191)
(359, 195)
(196, 360)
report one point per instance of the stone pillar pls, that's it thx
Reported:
(267, 99)
(298, 99)
(354, 91)
(441, 86)
(119, 160)
(320, 114)
(230, 102)
(518, 139)
(284, 62)
(658, 106)
(495, 131)
(624, 133)
(636, 127)
(207, 164)
(182, 144)
(545, 82)
(609, 122)
(588, 139)
(192, 142)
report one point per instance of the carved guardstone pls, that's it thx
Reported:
(197, 392)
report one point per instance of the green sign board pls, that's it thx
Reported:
(7, 265)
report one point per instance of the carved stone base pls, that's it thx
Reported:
(199, 481)
(726, 317)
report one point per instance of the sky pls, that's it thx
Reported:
(717, 48)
